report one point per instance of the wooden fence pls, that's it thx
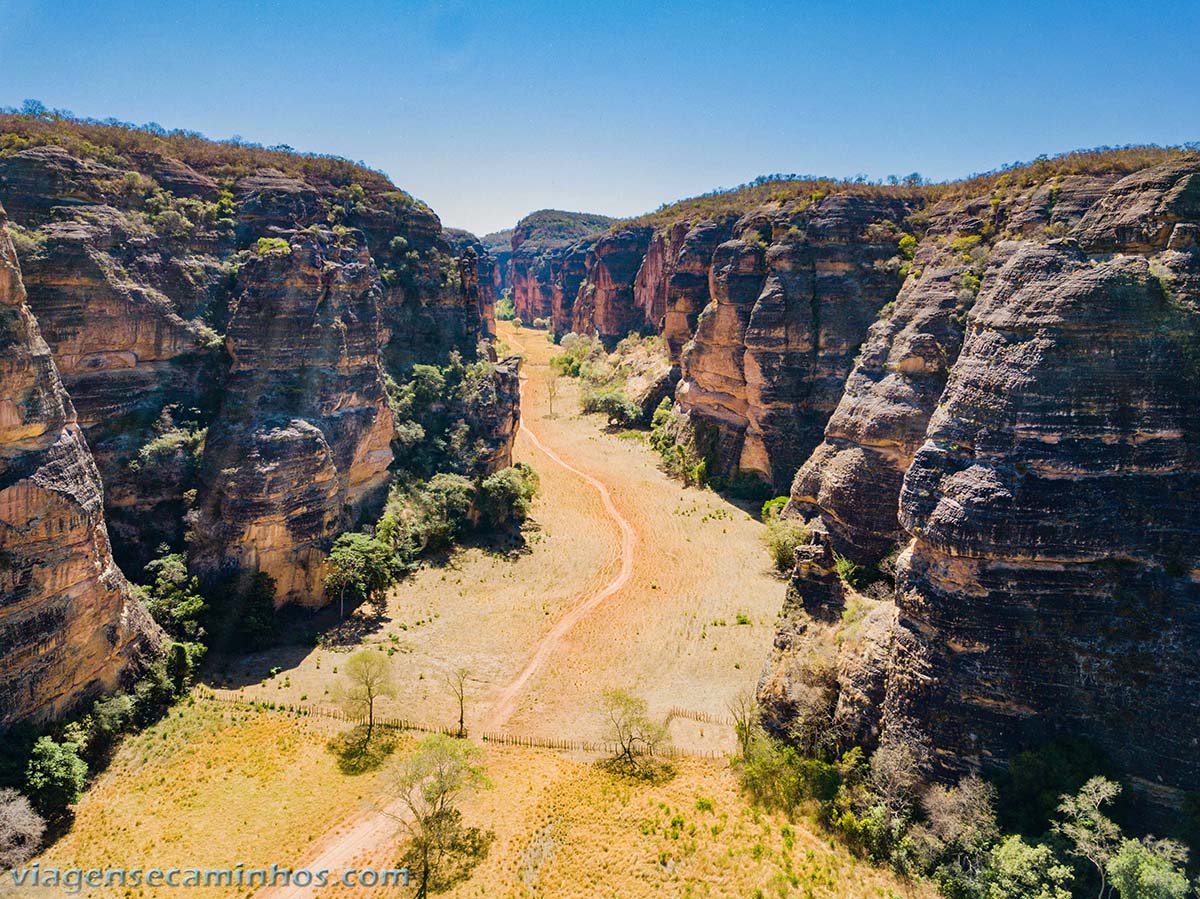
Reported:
(499, 739)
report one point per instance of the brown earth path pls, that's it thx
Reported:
(338, 850)
(505, 704)
(633, 571)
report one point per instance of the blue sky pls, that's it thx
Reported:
(488, 111)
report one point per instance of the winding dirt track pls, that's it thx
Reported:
(337, 850)
(503, 707)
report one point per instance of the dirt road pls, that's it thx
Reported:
(633, 581)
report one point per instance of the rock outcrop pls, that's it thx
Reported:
(69, 625)
(792, 297)
(134, 263)
(542, 242)
(303, 435)
(1022, 425)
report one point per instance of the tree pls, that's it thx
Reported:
(174, 599)
(1094, 836)
(782, 536)
(743, 708)
(1152, 869)
(366, 676)
(1018, 870)
(612, 402)
(55, 776)
(508, 494)
(179, 667)
(441, 851)
(959, 829)
(552, 388)
(363, 567)
(899, 765)
(634, 735)
(457, 682)
(21, 829)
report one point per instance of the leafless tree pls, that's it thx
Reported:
(636, 737)
(457, 682)
(21, 829)
(552, 389)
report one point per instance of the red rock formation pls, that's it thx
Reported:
(303, 436)
(69, 625)
(605, 303)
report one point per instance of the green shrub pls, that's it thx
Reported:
(173, 599)
(782, 538)
(612, 403)
(772, 507)
(507, 495)
(580, 354)
(55, 776)
(850, 573)
(362, 568)
(272, 246)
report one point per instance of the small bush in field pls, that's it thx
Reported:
(782, 538)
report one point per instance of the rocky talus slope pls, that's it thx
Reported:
(1022, 427)
(69, 624)
(195, 293)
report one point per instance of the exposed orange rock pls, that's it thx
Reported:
(69, 626)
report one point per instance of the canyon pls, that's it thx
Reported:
(982, 393)
(203, 339)
(979, 395)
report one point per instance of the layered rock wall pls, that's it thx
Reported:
(303, 435)
(1022, 424)
(69, 625)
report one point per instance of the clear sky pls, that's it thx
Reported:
(490, 110)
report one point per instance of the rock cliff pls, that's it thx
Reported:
(303, 435)
(69, 624)
(142, 253)
(1021, 424)
(542, 244)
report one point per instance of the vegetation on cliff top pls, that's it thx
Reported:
(729, 203)
(114, 142)
(554, 227)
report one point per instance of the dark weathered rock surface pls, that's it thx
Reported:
(69, 625)
(303, 435)
(131, 266)
(1022, 422)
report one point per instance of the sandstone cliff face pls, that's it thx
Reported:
(1029, 436)
(1053, 581)
(131, 267)
(792, 298)
(69, 625)
(126, 351)
(303, 435)
(547, 247)
(605, 304)
(689, 251)
(849, 488)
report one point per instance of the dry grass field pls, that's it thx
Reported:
(670, 635)
(217, 784)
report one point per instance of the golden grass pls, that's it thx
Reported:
(574, 830)
(210, 786)
(214, 785)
